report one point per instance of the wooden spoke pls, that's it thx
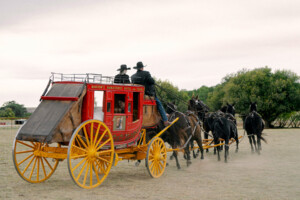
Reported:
(43, 166)
(38, 169)
(29, 151)
(82, 169)
(48, 164)
(98, 142)
(86, 173)
(24, 159)
(96, 171)
(79, 156)
(33, 168)
(18, 141)
(28, 165)
(97, 132)
(79, 163)
(104, 143)
(92, 133)
(91, 174)
(105, 152)
(81, 149)
(86, 136)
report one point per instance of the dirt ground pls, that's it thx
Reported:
(275, 174)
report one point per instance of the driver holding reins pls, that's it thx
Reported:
(144, 78)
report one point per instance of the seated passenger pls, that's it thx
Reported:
(122, 77)
(120, 107)
(144, 78)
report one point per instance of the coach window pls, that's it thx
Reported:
(98, 105)
(119, 105)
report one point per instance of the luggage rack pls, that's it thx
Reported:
(88, 78)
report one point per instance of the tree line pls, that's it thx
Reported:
(276, 93)
(13, 109)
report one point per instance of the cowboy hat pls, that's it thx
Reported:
(123, 67)
(139, 65)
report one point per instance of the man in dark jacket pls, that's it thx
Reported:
(122, 77)
(144, 78)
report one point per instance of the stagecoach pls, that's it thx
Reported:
(94, 124)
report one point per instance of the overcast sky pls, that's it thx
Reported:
(190, 43)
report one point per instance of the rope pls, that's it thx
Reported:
(172, 94)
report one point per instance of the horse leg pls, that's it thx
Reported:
(258, 145)
(206, 137)
(237, 144)
(176, 158)
(218, 149)
(226, 150)
(250, 141)
(259, 142)
(254, 142)
(192, 147)
(199, 142)
(188, 155)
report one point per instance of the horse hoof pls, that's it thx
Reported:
(171, 157)
(167, 164)
(202, 157)
(188, 163)
(137, 164)
(178, 167)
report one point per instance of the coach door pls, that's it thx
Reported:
(121, 111)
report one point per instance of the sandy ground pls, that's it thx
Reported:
(275, 174)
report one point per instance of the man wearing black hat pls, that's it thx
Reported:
(144, 78)
(122, 77)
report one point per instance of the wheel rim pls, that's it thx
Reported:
(156, 160)
(29, 163)
(90, 154)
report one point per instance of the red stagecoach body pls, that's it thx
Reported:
(100, 100)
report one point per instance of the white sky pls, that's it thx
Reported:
(190, 43)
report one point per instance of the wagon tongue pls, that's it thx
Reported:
(166, 128)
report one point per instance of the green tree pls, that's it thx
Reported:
(275, 93)
(167, 92)
(18, 109)
(201, 92)
(7, 112)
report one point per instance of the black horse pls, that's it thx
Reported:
(254, 125)
(183, 133)
(215, 121)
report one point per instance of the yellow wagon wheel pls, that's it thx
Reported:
(90, 154)
(29, 162)
(156, 159)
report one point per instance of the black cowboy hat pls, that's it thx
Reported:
(123, 67)
(139, 65)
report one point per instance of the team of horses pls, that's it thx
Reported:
(220, 125)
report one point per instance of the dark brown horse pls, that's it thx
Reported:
(183, 133)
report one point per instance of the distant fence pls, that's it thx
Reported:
(12, 122)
